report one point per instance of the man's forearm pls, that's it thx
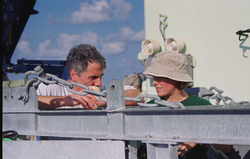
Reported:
(52, 102)
(131, 93)
(127, 103)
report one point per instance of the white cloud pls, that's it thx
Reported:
(24, 47)
(90, 38)
(121, 9)
(139, 36)
(51, 21)
(91, 13)
(126, 34)
(57, 53)
(64, 43)
(43, 46)
(44, 51)
(130, 34)
(111, 48)
(101, 11)
(67, 41)
(112, 44)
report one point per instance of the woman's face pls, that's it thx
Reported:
(164, 86)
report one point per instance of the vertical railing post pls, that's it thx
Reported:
(115, 101)
(162, 151)
(131, 149)
(115, 95)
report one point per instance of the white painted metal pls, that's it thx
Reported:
(209, 31)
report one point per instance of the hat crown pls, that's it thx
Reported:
(171, 61)
(169, 64)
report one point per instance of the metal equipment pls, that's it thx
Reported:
(15, 16)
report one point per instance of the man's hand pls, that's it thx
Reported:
(84, 101)
(185, 148)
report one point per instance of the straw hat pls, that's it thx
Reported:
(169, 64)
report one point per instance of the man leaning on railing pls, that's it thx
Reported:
(85, 65)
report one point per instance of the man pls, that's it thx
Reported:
(85, 65)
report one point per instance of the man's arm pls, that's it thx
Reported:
(131, 93)
(45, 101)
(127, 93)
(52, 102)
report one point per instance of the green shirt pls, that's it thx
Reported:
(192, 100)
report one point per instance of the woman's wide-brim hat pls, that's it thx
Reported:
(169, 64)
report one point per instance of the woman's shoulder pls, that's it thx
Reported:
(194, 100)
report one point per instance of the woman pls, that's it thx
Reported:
(169, 70)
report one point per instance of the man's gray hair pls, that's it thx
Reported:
(79, 57)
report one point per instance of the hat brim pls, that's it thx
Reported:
(171, 75)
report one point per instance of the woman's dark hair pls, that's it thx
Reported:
(182, 85)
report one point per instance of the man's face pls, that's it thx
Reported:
(92, 76)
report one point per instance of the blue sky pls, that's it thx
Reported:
(114, 27)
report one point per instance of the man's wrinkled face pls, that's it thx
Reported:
(92, 76)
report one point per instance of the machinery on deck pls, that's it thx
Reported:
(15, 17)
